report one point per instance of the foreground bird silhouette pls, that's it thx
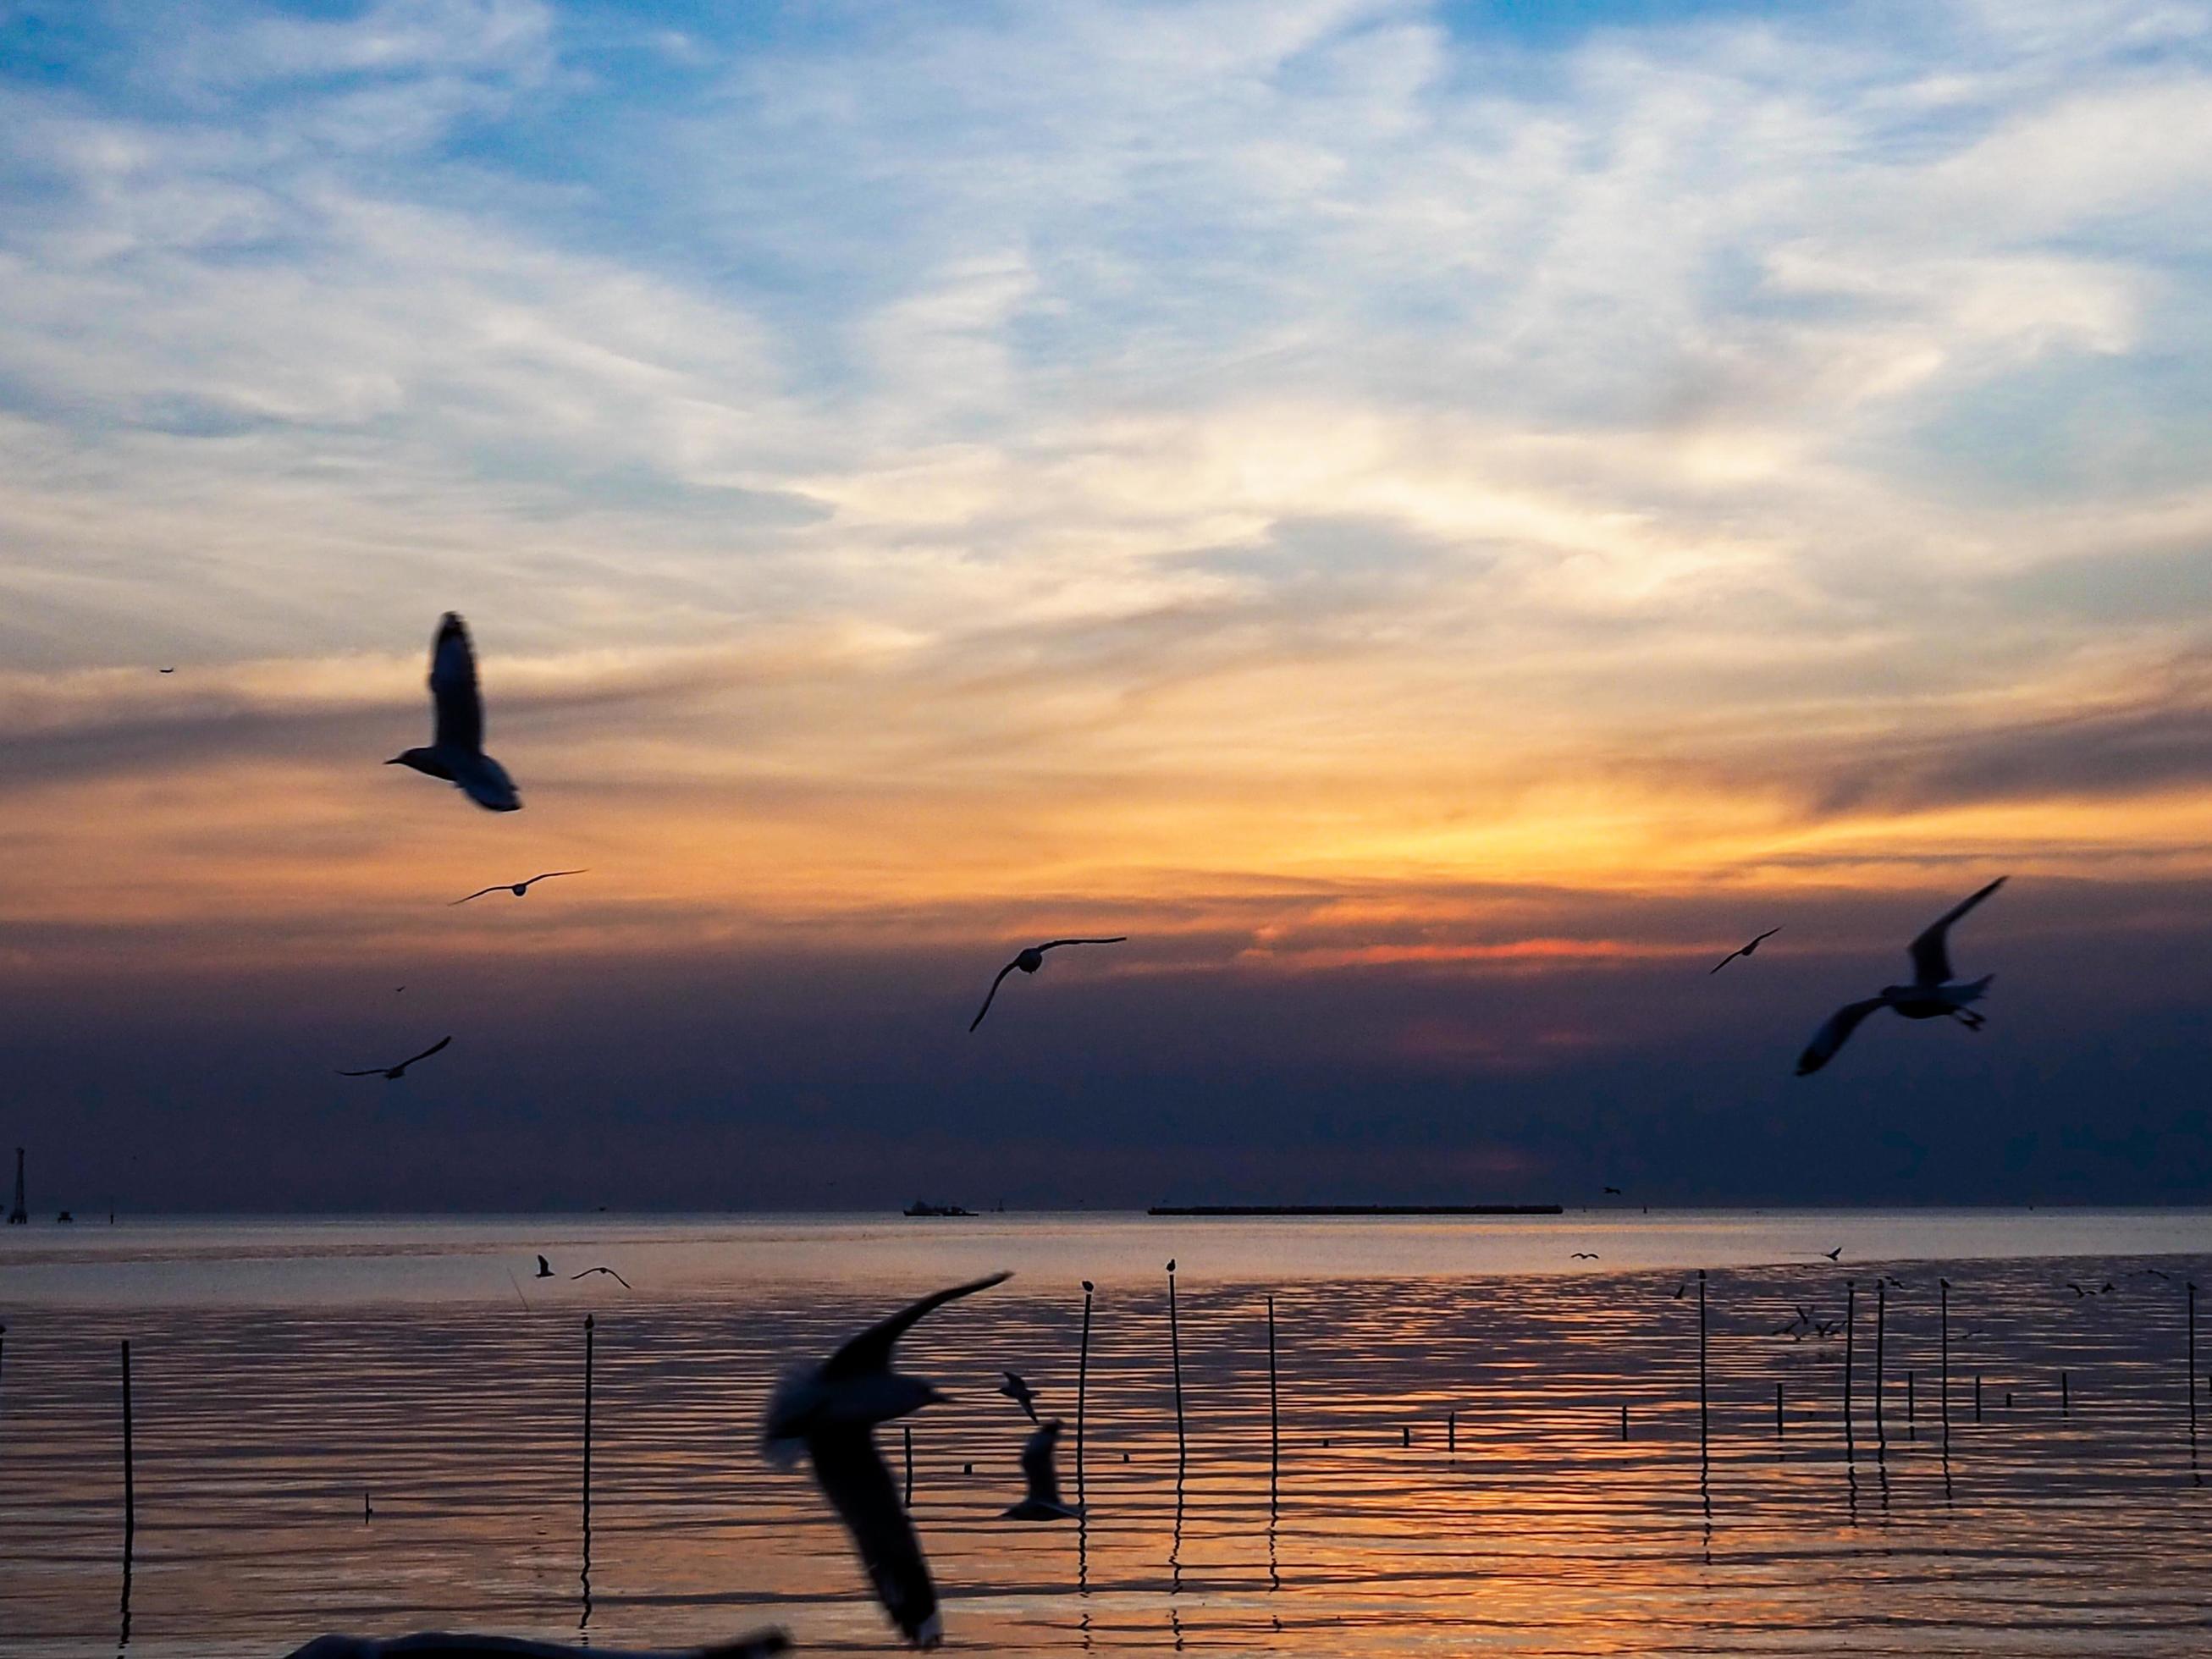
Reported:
(1744, 950)
(1019, 1392)
(609, 1272)
(393, 1073)
(456, 749)
(519, 888)
(545, 1268)
(1042, 1501)
(1030, 961)
(831, 1413)
(439, 1644)
(1933, 993)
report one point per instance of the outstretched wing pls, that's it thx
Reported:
(426, 1054)
(1053, 945)
(1931, 953)
(479, 894)
(374, 1071)
(870, 1350)
(986, 1008)
(609, 1272)
(853, 1477)
(1037, 1466)
(1832, 1035)
(548, 875)
(453, 693)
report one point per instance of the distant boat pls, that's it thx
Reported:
(923, 1206)
(65, 1216)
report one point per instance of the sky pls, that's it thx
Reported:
(1438, 520)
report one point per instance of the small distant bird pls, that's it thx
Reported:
(1041, 1502)
(1612, 1192)
(545, 1268)
(1030, 961)
(1680, 1288)
(1018, 1391)
(831, 1413)
(456, 750)
(2077, 1290)
(442, 1644)
(165, 671)
(1744, 950)
(1087, 1286)
(1897, 1283)
(519, 888)
(1170, 1264)
(393, 1073)
(1584, 1255)
(1933, 993)
(1835, 1254)
(609, 1272)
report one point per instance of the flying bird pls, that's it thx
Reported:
(609, 1272)
(1030, 961)
(519, 888)
(1041, 1502)
(1836, 1255)
(1680, 1288)
(165, 671)
(1612, 1192)
(1584, 1255)
(545, 1268)
(831, 1413)
(439, 1644)
(1018, 1391)
(1933, 993)
(456, 750)
(393, 1073)
(1744, 950)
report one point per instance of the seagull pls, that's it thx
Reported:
(519, 888)
(1018, 1391)
(456, 752)
(393, 1073)
(1030, 961)
(1744, 950)
(545, 1268)
(1612, 1192)
(1680, 1288)
(1933, 993)
(831, 1413)
(438, 1644)
(165, 671)
(1836, 1255)
(1584, 1255)
(1041, 1502)
(609, 1272)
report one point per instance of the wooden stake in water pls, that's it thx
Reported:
(1911, 1424)
(1274, 1416)
(1943, 1293)
(1624, 1419)
(2065, 1395)
(1175, 1355)
(1850, 1315)
(2192, 1370)
(1082, 1385)
(1978, 1396)
(1704, 1425)
(1451, 1431)
(1880, 1333)
(130, 1473)
(1778, 1431)
(588, 1368)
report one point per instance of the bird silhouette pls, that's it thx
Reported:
(519, 888)
(1584, 1255)
(393, 1073)
(1835, 1254)
(455, 748)
(1933, 993)
(1018, 1391)
(609, 1272)
(831, 1413)
(1680, 1289)
(165, 671)
(1612, 1192)
(1744, 950)
(545, 1268)
(1028, 961)
(1041, 1502)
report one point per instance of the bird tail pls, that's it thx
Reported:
(1975, 990)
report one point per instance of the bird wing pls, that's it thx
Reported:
(1037, 1467)
(870, 1350)
(1832, 1035)
(1727, 959)
(479, 894)
(1053, 945)
(609, 1272)
(426, 1054)
(549, 874)
(995, 983)
(453, 693)
(374, 1071)
(1931, 953)
(852, 1476)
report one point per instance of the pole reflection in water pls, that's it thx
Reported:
(584, 1619)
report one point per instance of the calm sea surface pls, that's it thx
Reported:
(1450, 1475)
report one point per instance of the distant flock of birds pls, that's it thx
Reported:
(456, 754)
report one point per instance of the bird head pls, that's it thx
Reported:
(1029, 960)
(421, 760)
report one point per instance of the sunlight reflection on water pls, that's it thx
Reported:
(315, 1364)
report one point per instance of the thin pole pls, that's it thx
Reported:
(1779, 1432)
(1978, 1396)
(589, 1365)
(1175, 1350)
(2065, 1395)
(1850, 1338)
(2192, 1365)
(129, 1477)
(1881, 1332)
(1704, 1421)
(1912, 1421)
(1624, 1419)
(1451, 1431)
(1944, 1303)
(1275, 1417)
(1082, 1389)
